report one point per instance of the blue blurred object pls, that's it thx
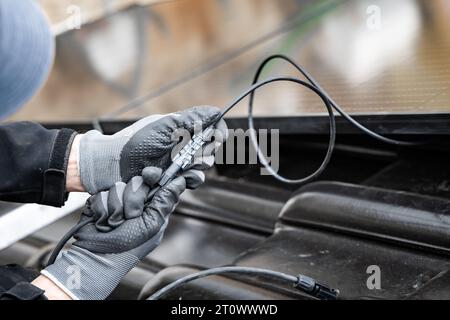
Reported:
(26, 53)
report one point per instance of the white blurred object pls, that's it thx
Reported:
(62, 17)
(112, 48)
(368, 37)
(26, 219)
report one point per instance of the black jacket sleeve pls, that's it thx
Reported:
(33, 163)
(15, 284)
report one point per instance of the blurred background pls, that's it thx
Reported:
(372, 56)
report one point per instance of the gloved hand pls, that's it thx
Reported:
(130, 220)
(105, 160)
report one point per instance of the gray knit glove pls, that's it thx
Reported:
(105, 160)
(129, 222)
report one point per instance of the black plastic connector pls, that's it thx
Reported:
(315, 289)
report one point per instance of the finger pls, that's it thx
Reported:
(99, 207)
(134, 197)
(151, 175)
(157, 238)
(194, 179)
(115, 204)
(165, 200)
(189, 119)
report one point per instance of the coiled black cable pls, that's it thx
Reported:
(251, 91)
(329, 103)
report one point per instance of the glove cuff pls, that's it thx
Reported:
(84, 275)
(99, 161)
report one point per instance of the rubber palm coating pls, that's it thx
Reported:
(125, 226)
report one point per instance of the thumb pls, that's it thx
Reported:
(134, 197)
(166, 198)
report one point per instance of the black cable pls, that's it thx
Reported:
(66, 238)
(250, 92)
(329, 103)
(301, 282)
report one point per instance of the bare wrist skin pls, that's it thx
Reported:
(52, 291)
(73, 180)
